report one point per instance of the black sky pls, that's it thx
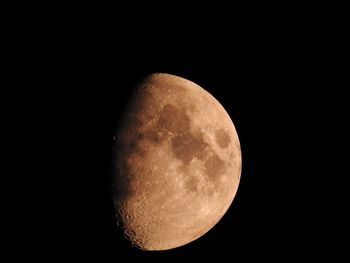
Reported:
(275, 72)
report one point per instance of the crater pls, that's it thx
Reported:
(185, 146)
(174, 119)
(222, 138)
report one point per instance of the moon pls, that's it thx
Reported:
(176, 164)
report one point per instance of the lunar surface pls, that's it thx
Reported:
(177, 163)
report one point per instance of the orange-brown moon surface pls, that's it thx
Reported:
(177, 163)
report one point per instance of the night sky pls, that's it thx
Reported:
(274, 70)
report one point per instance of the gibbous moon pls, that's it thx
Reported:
(177, 163)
